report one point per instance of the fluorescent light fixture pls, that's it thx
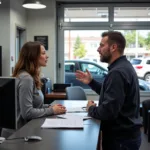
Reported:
(33, 4)
(0, 2)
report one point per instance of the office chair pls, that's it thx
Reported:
(75, 93)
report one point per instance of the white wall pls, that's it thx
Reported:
(11, 14)
(18, 17)
(43, 22)
(5, 36)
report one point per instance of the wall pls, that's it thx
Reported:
(11, 14)
(5, 36)
(18, 17)
(43, 22)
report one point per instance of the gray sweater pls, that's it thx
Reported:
(30, 102)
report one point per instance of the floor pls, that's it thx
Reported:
(145, 145)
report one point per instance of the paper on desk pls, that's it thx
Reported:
(73, 116)
(63, 123)
(75, 109)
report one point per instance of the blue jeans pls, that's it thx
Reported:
(121, 143)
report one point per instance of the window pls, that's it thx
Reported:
(94, 45)
(81, 26)
(131, 14)
(86, 14)
(69, 67)
(148, 62)
(78, 44)
(136, 61)
(93, 69)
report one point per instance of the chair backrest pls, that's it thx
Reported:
(75, 93)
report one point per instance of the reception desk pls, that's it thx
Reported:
(56, 139)
(49, 98)
(56, 95)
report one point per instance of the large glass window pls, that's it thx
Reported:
(69, 67)
(86, 14)
(130, 14)
(93, 69)
(81, 44)
(137, 43)
(80, 34)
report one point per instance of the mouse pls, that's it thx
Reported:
(32, 138)
(2, 139)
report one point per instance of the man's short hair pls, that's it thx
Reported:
(117, 38)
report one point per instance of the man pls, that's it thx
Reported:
(119, 100)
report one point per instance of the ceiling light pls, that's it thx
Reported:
(0, 2)
(33, 4)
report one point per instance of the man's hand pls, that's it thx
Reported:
(84, 77)
(90, 103)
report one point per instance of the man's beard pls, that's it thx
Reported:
(106, 58)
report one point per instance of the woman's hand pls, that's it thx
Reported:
(59, 109)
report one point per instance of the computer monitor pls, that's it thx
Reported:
(0, 60)
(8, 103)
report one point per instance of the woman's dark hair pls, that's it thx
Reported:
(28, 61)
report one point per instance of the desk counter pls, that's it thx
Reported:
(56, 95)
(56, 139)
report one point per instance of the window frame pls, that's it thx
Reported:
(110, 25)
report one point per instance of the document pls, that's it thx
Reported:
(74, 116)
(76, 109)
(63, 123)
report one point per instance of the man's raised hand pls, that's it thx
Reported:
(84, 77)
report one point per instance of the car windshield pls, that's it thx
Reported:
(135, 61)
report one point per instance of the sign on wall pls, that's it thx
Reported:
(43, 40)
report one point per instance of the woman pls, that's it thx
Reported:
(30, 98)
